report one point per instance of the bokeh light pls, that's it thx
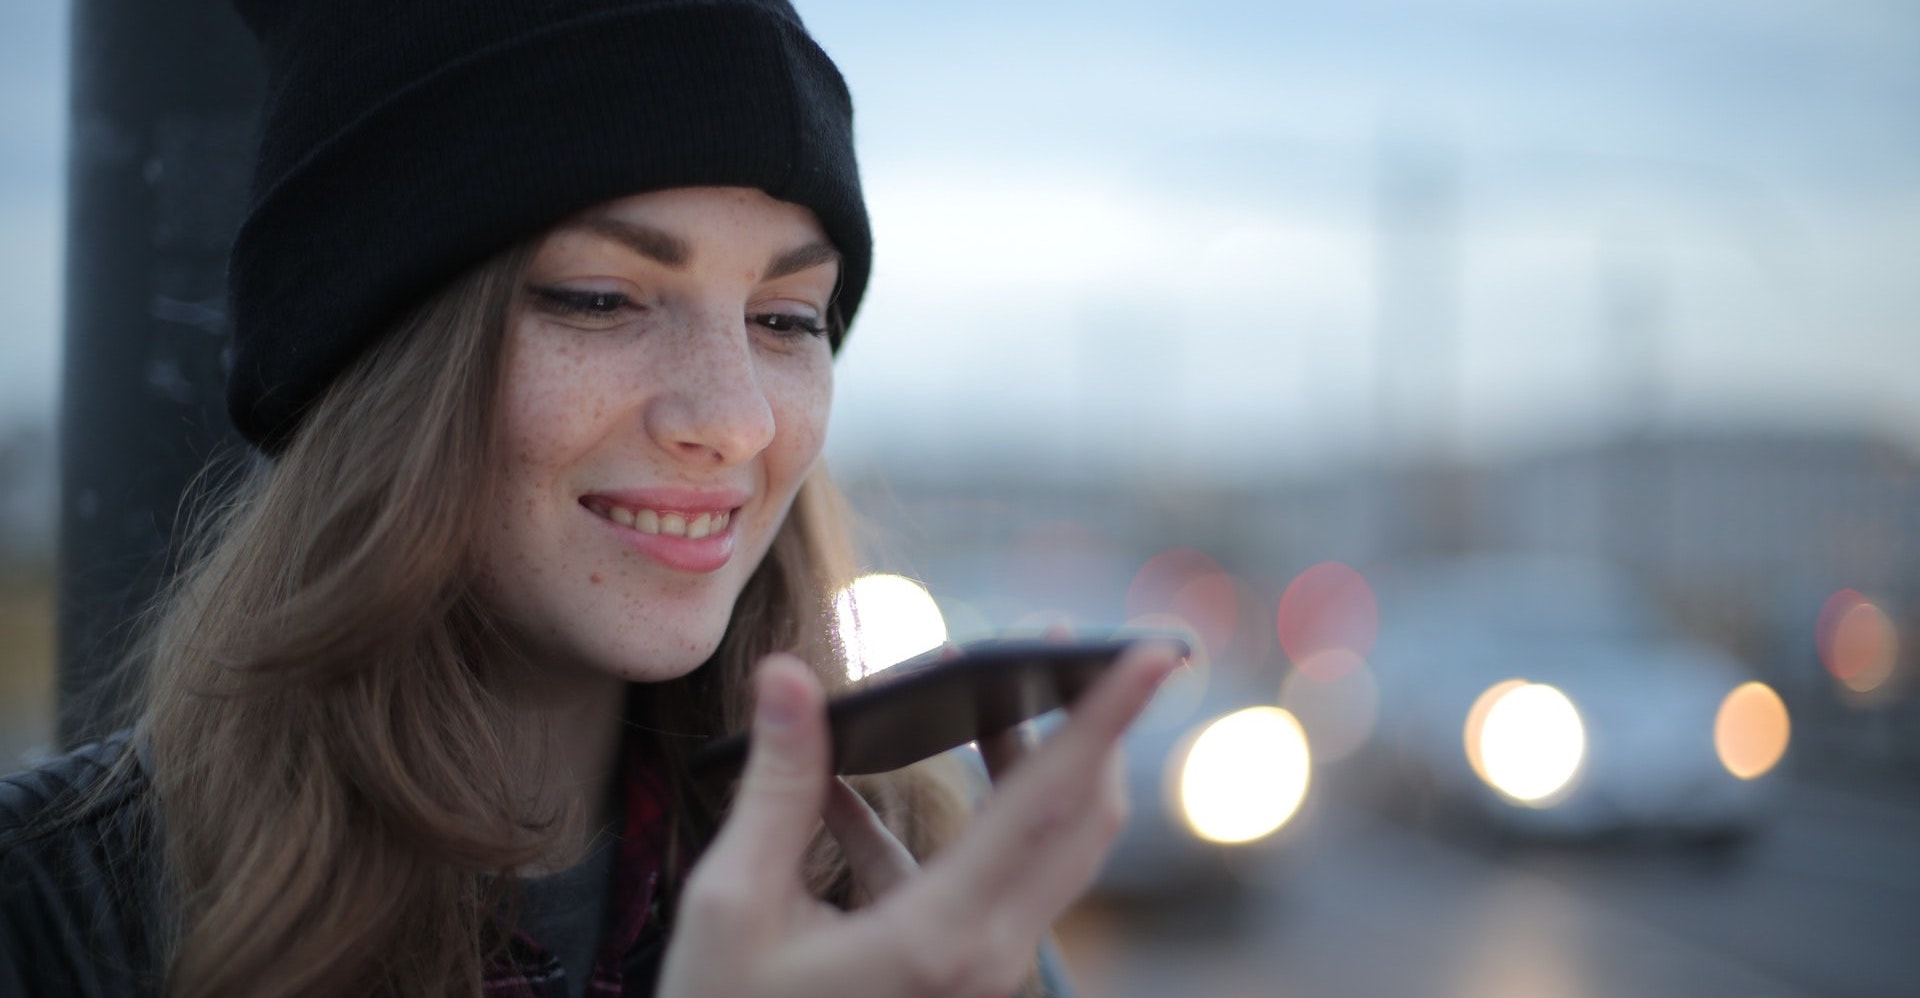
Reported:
(1338, 713)
(1244, 775)
(1477, 721)
(1210, 603)
(885, 619)
(1752, 730)
(1158, 582)
(1858, 642)
(1328, 606)
(1185, 590)
(1532, 743)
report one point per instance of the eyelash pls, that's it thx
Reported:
(605, 304)
(786, 323)
(592, 304)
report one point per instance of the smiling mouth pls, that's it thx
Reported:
(665, 523)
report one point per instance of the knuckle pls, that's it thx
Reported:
(1047, 823)
(779, 777)
(716, 895)
(988, 958)
(960, 965)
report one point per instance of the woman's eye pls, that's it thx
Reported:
(788, 324)
(582, 304)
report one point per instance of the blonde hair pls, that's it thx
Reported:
(329, 758)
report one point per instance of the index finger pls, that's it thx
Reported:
(1004, 749)
(1014, 842)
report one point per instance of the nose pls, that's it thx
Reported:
(711, 407)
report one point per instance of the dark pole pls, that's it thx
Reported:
(164, 97)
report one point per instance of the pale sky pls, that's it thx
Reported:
(1155, 230)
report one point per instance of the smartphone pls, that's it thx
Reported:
(947, 698)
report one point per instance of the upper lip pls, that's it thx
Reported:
(673, 500)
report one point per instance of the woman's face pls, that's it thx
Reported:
(668, 377)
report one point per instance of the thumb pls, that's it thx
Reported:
(785, 783)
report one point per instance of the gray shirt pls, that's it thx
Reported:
(567, 911)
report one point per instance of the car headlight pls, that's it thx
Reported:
(1243, 776)
(1751, 730)
(1526, 741)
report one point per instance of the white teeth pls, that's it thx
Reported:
(649, 521)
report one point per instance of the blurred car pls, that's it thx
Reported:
(1550, 698)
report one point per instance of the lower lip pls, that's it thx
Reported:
(682, 554)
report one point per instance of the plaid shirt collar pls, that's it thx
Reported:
(530, 971)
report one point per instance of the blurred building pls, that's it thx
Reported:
(1745, 514)
(1751, 515)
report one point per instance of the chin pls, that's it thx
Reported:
(657, 656)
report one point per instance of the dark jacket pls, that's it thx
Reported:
(79, 877)
(80, 890)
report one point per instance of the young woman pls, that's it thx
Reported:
(535, 314)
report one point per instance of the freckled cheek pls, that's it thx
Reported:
(801, 415)
(552, 411)
(802, 399)
(542, 432)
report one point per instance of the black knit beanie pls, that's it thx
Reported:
(405, 141)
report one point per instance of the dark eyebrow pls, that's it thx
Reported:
(663, 248)
(670, 250)
(794, 261)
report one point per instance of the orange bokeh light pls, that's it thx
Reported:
(1751, 731)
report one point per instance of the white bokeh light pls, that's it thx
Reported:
(1245, 775)
(885, 619)
(1532, 743)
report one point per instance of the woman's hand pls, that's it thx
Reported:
(967, 924)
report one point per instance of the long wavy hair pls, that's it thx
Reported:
(330, 757)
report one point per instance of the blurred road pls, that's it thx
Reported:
(1824, 903)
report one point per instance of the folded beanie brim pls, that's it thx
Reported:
(491, 150)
